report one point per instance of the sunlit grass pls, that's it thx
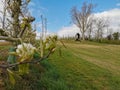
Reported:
(90, 66)
(81, 66)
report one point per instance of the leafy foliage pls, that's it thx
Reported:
(116, 35)
(21, 35)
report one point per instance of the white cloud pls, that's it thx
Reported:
(113, 13)
(114, 18)
(38, 34)
(69, 31)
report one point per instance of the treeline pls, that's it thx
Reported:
(113, 38)
(92, 26)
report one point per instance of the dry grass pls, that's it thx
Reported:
(4, 43)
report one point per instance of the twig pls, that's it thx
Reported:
(9, 38)
(25, 62)
(29, 20)
(3, 32)
(63, 43)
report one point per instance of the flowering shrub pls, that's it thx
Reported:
(26, 54)
(25, 51)
(50, 42)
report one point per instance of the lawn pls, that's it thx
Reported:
(89, 65)
(81, 66)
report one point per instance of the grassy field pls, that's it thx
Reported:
(89, 66)
(81, 66)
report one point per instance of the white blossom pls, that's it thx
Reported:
(25, 50)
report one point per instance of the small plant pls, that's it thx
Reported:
(26, 54)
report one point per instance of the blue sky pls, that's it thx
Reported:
(57, 12)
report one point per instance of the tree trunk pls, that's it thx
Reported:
(89, 36)
(15, 15)
(83, 36)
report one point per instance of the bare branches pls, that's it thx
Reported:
(3, 32)
(5, 35)
(100, 23)
(81, 18)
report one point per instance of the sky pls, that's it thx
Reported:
(58, 14)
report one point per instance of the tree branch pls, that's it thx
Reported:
(29, 20)
(3, 32)
(22, 31)
(9, 38)
(25, 62)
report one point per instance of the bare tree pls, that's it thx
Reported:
(109, 34)
(110, 31)
(100, 24)
(91, 27)
(81, 18)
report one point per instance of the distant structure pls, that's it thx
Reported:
(77, 37)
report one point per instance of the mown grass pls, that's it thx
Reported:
(81, 66)
(89, 66)
(115, 42)
(51, 78)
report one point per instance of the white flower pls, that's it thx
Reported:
(25, 50)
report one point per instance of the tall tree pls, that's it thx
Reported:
(91, 27)
(81, 18)
(109, 33)
(100, 24)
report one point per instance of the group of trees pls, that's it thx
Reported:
(116, 35)
(90, 25)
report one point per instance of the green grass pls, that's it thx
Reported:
(116, 42)
(89, 66)
(82, 66)
(51, 78)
